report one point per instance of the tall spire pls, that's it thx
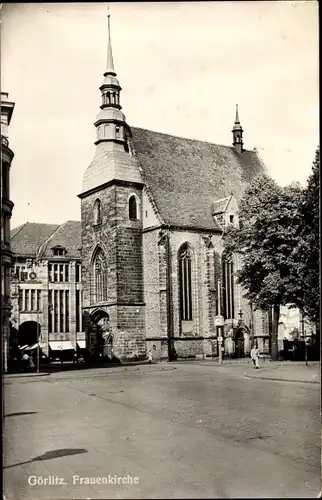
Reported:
(237, 116)
(109, 61)
(110, 123)
(237, 133)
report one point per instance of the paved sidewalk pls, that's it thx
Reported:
(287, 372)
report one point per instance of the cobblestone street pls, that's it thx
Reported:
(183, 430)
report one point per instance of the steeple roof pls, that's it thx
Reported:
(237, 125)
(109, 61)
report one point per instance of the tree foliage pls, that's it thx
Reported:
(267, 239)
(308, 251)
(270, 227)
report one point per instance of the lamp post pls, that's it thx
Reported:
(304, 336)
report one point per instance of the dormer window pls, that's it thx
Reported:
(59, 251)
(97, 212)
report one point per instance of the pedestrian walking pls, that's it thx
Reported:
(31, 364)
(254, 354)
(25, 362)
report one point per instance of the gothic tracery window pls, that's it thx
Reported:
(100, 276)
(185, 283)
(228, 287)
(97, 212)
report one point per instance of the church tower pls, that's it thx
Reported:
(111, 221)
(237, 134)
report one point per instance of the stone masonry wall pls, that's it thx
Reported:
(121, 240)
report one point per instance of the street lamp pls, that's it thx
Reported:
(304, 336)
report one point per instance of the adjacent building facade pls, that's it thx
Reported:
(7, 155)
(46, 287)
(153, 211)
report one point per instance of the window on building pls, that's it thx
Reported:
(185, 283)
(228, 287)
(78, 273)
(50, 272)
(38, 300)
(100, 276)
(33, 300)
(218, 284)
(61, 311)
(55, 266)
(66, 272)
(17, 272)
(97, 214)
(50, 311)
(133, 208)
(117, 132)
(55, 311)
(20, 300)
(5, 180)
(231, 219)
(26, 307)
(66, 310)
(78, 312)
(59, 251)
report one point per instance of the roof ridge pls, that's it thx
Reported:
(42, 223)
(18, 229)
(190, 139)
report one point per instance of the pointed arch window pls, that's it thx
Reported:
(185, 283)
(228, 287)
(97, 215)
(99, 272)
(133, 208)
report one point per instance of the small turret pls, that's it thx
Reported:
(237, 134)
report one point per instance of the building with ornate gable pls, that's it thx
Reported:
(153, 211)
(46, 287)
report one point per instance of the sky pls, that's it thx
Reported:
(182, 67)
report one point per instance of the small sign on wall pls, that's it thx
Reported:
(219, 320)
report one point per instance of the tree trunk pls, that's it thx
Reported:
(274, 343)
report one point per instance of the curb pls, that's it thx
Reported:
(24, 375)
(282, 379)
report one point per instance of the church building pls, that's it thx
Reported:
(153, 211)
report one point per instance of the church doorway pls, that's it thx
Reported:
(239, 344)
(29, 332)
(101, 336)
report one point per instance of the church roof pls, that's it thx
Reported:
(30, 238)
(186, 176)
(27, 238)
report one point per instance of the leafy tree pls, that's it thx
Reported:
(308, 252)
(270, 226)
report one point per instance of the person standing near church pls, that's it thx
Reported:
(107, 335)
(254, 354)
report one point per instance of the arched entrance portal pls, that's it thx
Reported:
(239, 343)
(29, 332)
(100, 337)
(242, 336)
